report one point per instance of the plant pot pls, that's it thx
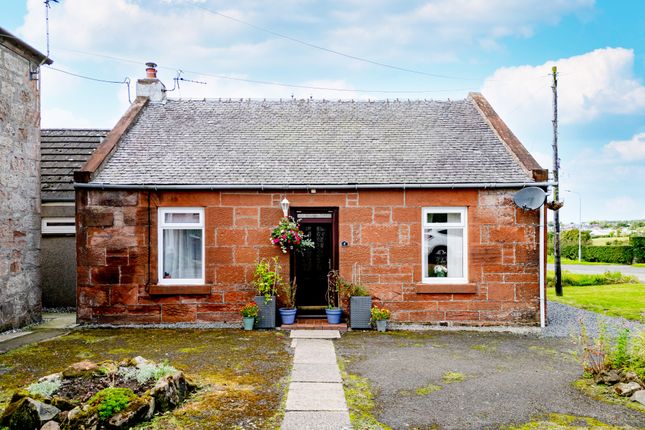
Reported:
(359, 312)
(381, 325)
(288, 315)
(248, 323)
(441, 275)
(266, 316)
(333, 315)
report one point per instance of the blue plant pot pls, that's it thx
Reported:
(248, 323)
(333, 315)
(287, 315)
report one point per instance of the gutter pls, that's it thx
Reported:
(159, 187)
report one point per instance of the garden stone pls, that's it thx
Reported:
(609, 378)
(82, 419)
(51, 425)
(171, 391)
(632, 377)
(140, 410)
(626, 389)
(639, 396)
(80, 369)
(30, 414)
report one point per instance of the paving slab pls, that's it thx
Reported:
(53, 320)
(315, 334)
(315, 351)
(307, 372)
(316, 396)
(321, 420)
(9, 336)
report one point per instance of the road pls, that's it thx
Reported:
(639, 272)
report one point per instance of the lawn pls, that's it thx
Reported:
(551, 260)
(242, 375)
(621, 300)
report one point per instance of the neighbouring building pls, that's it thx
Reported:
(19, 181)
(62, 151)
(175, 208)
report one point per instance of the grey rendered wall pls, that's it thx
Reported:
(59, 271)
(20, 296)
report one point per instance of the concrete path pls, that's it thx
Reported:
(53, 325)
(639, 272)
(316, 400)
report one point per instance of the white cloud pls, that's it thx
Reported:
(589, 85)
(57, 118)
(630, 150)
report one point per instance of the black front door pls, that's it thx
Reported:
(312, 266)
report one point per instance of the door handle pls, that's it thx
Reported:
(330, 264)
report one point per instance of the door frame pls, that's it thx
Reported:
(294, 211)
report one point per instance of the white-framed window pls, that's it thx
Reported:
(181, 246)
(445, 245)
(58, 225)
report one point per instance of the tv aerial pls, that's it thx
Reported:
(530, 198)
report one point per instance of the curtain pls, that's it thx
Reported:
(182, 254)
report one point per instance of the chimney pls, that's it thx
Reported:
(151, 87)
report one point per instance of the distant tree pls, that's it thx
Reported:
(570, 237)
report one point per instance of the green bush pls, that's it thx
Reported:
(110, 401)
(638, 247)
(601, 254)
(579, 280)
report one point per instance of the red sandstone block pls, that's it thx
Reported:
(528, 217)
(246, 255)
(136, 216)
(355, 215)
(380, 256)
(386, 234)
(246, 199)
(113, 198)
(258, 237)
(269, 217)
(178, 313)
(97, 217)
(380, 198)
(499, 215)
(351, 199)
(268, 251)
(124, 295)
(462, 316)
(356, 234)
(93, 296)
(230, 274)
(501, 292)
(414, 306)
(527, 254)
(456, 197)
(506, 234)
(484, 306)
(421, 316)
(404, 254)
(319, 199)
(247, 222)
(355, 254)
(217, 307)
(521, 277)
(143, 298)
(117, 260)
(231, 236)
(218, 317)
(218, 217)
(383, 215)
(527, 291)
(189, 198)
(238, 297)
(508, 255)
(452, 306)
(485, 254)
(110, 310)
(104, 275)
(492, 277)
(396, 278)
(407, 215)
(216, 255)
(90, 256)
(404, 234)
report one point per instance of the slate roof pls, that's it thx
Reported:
(62, 151)
(307, 142)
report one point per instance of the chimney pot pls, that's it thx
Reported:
(151, 70)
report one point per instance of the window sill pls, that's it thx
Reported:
(178, 289)
(469, 288)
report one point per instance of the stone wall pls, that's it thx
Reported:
(383, 230)
(19, 192)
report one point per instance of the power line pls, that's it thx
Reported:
(333, 51)
(125, 81)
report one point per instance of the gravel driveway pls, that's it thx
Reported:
(508, 378)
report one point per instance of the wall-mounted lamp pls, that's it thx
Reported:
(284, 204)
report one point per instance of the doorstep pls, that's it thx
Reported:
(313, 324)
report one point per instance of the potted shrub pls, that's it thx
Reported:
(333, 311)
(288, 293)
(266, 280)
(380, 317)
(249, 313)
(288, 236)
(360, 302)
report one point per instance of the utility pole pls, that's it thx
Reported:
(556, 187)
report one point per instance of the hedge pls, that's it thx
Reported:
(602, 254)
(638, 246)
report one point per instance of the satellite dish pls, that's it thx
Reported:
(530, 198)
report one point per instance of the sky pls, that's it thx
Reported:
(376, 49)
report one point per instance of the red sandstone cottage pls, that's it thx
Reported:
(175, 208)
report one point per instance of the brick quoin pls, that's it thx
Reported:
(382, 227)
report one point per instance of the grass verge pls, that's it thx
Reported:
(622, 300)
(564, 422)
